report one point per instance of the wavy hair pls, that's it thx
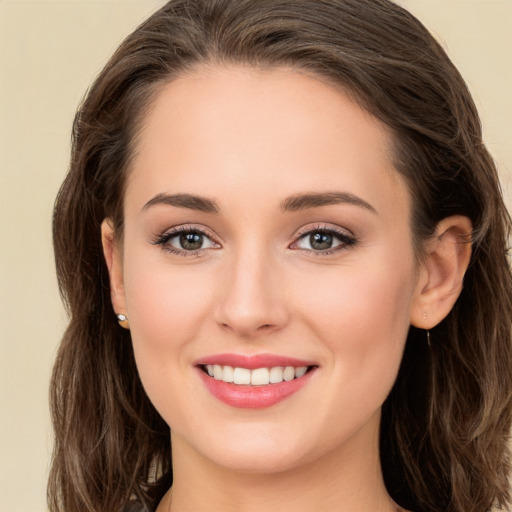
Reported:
(445, 425)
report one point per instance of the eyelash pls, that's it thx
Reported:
(347, 240)
(163, 240)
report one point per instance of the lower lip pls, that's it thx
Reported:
(253, 397)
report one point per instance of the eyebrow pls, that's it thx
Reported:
(317, 199)
(190, 201)
(291, 204)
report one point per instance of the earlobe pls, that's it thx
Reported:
(113, 259)
(441, 275)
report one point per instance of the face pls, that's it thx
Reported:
(267, 240)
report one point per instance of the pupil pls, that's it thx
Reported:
(320, 241)
(191, 241)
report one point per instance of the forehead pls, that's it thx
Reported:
(219, 128)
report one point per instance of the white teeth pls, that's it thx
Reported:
(227, 375)
(241, 376)
(289, 373)
(299, 372)
(276, 375)
(257, 377)
(217, 372)
(260, 377)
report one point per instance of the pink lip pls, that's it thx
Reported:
(254, 361)
(253, 397)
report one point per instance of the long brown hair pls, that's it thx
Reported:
(446, 422)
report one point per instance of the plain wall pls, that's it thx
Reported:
(49, 53)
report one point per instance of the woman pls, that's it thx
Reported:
(290, 210)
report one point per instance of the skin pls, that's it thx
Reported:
(248, 140)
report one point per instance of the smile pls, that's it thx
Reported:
(256, 377)
(254, 382)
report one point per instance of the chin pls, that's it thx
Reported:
(261, 449)
(254, 448)
(264, 459)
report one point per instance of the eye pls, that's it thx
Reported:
(185, 240)
(324, 240)
(190, 241)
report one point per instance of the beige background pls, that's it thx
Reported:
(49, 53)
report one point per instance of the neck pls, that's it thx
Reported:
(348, 479)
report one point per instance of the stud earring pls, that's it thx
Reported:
(123, 321)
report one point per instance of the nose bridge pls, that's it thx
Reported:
(252, 299)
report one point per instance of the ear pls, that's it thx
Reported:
(114, 261)
(441, 275)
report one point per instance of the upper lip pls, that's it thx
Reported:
(254, 361)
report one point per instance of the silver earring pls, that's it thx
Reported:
(123, 321)
(428, 339)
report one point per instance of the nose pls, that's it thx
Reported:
(252, 299)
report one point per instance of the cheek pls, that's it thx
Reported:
(363, 318)
(167, 308)
(362, 297)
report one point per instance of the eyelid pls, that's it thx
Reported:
(163, 238)
(346, 237)
(323, 226)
